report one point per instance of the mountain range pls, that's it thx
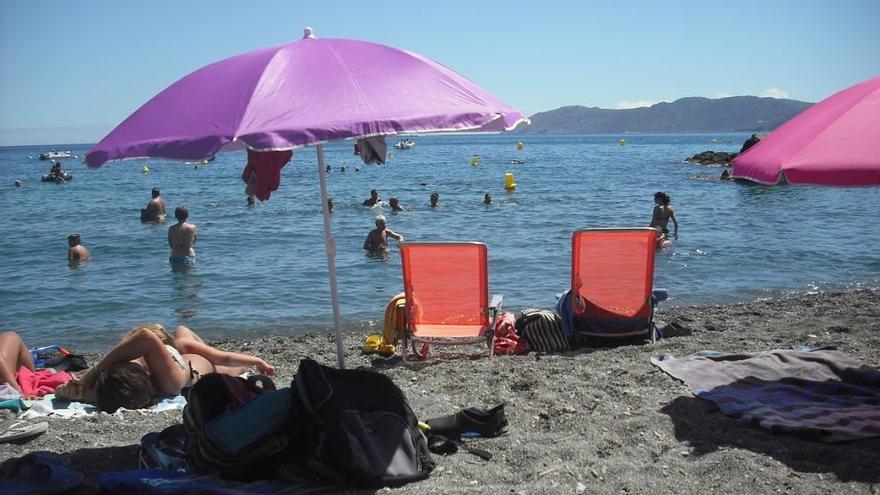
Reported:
(691, 114)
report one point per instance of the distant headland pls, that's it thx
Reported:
(691, 114)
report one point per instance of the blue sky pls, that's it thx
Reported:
(72, 70)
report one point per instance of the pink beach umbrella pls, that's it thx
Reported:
(835, 142)
(304, 93)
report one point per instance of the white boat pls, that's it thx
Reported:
(406, 144)
(52, 155)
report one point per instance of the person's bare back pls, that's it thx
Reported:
(155, 210)
(182, 236)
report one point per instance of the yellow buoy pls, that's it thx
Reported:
(475, 160)
(509, 181)
(621, 142)
(520, 145)
(145, 169)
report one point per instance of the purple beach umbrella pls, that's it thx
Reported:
(303, 93)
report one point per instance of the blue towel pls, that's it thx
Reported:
(566, 313)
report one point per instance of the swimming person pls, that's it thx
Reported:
(373, 199)
(435, 200)
(148, 362)
(377, 239)
(395, 204)
(330, 205)
(487, 199)
(181, 238)
(76, 252)
(155, 210)
(662, 214)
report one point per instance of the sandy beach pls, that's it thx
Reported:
(590, 421)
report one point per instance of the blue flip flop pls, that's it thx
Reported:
(40, 473)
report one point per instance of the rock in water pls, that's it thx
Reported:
(712, 158)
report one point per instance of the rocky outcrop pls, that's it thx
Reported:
(722, 158)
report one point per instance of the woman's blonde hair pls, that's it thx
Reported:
(158, 330)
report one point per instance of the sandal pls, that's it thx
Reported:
(470, 422)
(20, 430)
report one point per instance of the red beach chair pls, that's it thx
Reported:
(447, 295)
(612, 278)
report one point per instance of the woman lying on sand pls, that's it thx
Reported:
(149, 362)
(13, 355)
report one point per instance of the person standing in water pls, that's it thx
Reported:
(155, 210)
(181, 238)
(435, 200)
(662, 214)
(76, 252)
(377, 239)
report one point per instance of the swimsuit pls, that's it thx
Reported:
(182, 260)
(192, 375)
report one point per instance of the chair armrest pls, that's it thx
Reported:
(495, 302)
(659, 295)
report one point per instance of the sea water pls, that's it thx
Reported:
(263, 270)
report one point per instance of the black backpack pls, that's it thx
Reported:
(354, 427)
(238, 429)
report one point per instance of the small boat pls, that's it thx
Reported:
(406, 144)
(67, 176)
(52, 155)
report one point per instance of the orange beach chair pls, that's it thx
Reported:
(447, 295)
(612, 278)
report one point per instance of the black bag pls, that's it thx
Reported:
(543, 330)
(355, 427)
(236, 428)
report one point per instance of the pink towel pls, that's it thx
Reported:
(40, 383)
(266, 166)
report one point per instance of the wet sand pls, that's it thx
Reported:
(594, 421)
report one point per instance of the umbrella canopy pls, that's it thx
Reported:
(835, 142)
(301, 93)
(307, 92)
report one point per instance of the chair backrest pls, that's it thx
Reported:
(446, 283)
(612, 272)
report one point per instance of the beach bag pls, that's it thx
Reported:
(507, 341)
(542, 328)
(355, 427)
(237, 428)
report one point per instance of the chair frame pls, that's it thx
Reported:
(654, 297)
(492, 310)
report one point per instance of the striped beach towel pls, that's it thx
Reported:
(824, 394)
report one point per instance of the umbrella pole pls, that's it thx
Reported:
(330, 249)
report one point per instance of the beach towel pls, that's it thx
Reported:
(394, 325)
(507, 340)
(566, 313)
(824, 394)
(48, 406)
(40, 383)
(266, 166)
